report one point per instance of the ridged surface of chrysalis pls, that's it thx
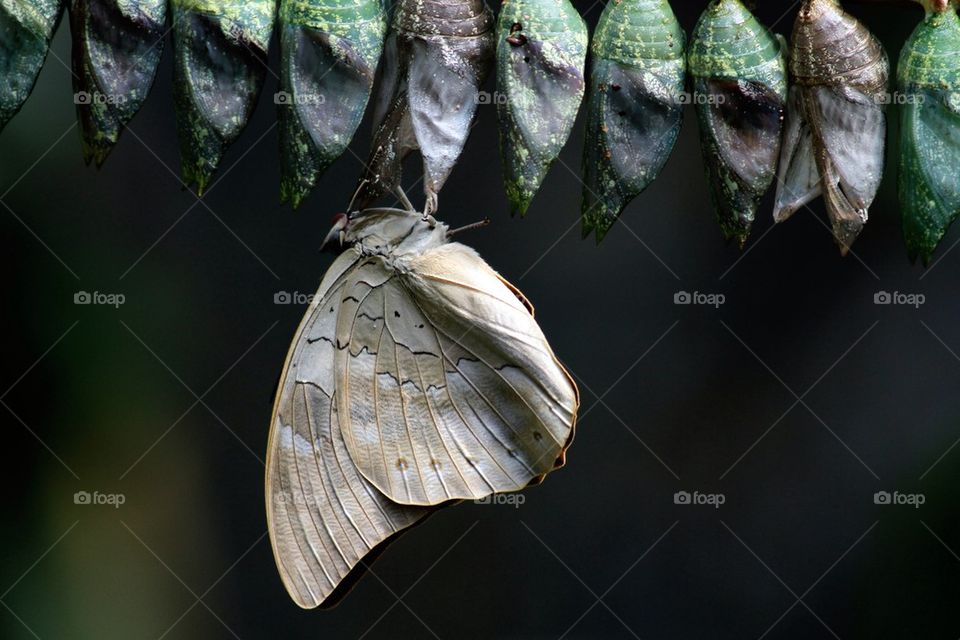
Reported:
(436, 56)
(634, 106)
(117, 45)
(740, 90)
(220, 52)
(929, 81)
(26, 28)
(329, 51)
(541, 50)
(836, 125)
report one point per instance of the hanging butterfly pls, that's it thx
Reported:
(634, 106)
(929, 83)
(117, 45)
(435, 59)
(220, 50)
(417, 378)
(740, 89)
(27, 28)
(835, 119)
(541, 50)
(329, 51)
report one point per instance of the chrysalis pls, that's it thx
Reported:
(835, 119)
(740, 90)
(634, 106)
(541, 49)
(26, 29)
(117, 45)
(929, 83)
(436, 57)
(329, 51)
(220, 49)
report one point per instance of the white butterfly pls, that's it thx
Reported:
(418, 377)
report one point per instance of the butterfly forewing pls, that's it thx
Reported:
(324, 517)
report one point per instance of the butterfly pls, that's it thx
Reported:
(418, 378)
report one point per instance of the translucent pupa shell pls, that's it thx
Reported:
(541, 51)
(220, 49)
(329, 51)
(117, 45)
(27, 28)
(739, 73)
(634, 106)
(928, 79)
(437, 55)
(835, 128)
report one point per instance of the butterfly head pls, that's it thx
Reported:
(385, 230)
(337, 235)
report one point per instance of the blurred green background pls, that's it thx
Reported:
(166, 400)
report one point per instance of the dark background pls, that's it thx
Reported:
(674, 398)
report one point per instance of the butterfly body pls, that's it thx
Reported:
(418, 377)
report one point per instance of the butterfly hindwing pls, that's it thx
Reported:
(324, 516)
(447, 388)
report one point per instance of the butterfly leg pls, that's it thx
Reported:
(431, 205)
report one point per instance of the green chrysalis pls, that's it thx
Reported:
(634, 106)
(541, 50)
(929, 81)
(739, 90)
(220, 52)
(329, 51)
(117, 45)
(26, 28)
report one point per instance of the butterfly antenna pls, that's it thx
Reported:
(404, 200)
(469, 227)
